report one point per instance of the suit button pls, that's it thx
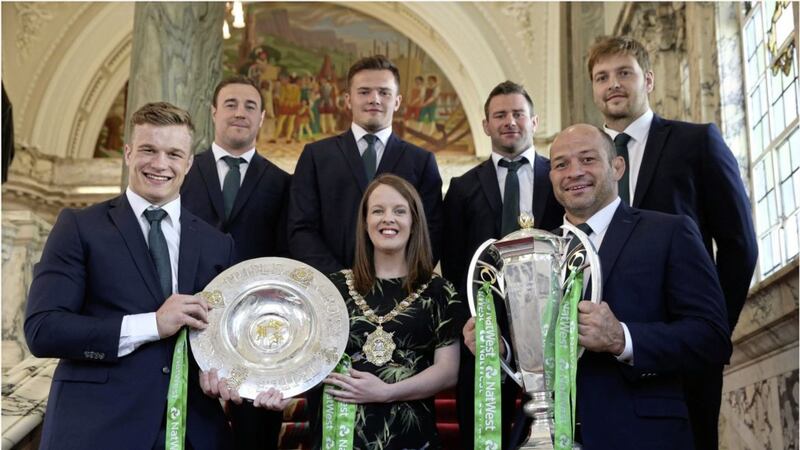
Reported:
(165, 370)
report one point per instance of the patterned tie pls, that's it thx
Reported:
(621, 144)
(574, 242)
(510, 216)
(158, 249)
(370, 156)
(230, 187)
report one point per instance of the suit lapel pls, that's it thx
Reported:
(188, 253)
(391, 154)
(488, 179)
(347, 145)
(123, 218)
(657, 137)
(541, 188)
(208, 170)
(256, 169)
(620, 228)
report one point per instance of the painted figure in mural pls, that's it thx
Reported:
(288, 103)
(327, 106)
(331, 174)
(427, 113)
(474, 210)
(239, 192)
(111, 293)
(678, 168)
(304, 119)
(414, 103)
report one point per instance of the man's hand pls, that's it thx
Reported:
(359, 387)
(216, 387)
(469, 337)
(179, 310)
(272, 400)
(598, 328)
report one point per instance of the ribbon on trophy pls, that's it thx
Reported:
(487, 371)
(561, 358)
(338, 418)
(176, 395)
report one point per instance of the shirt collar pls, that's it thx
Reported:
(600, 220)
(219, 152)
(359, 132)
(529, 153)
(638, 129)
(139, 205)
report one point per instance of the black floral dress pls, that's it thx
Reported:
(422, 328)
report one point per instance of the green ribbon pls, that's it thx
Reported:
(176, 395)
(338, 418)
(487, 372)
(561, 360)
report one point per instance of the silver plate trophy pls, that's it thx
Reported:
(273, 322)
(529, 266)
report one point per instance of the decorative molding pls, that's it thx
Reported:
(32, 17)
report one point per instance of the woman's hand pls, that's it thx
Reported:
(272, 400)
(359, 387)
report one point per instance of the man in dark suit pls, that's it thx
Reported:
(113, 288)
(662, 315)
(678, 168)
(331, 174)
(240, 192)
(475, 210)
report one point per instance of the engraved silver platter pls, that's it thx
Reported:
(273, 322)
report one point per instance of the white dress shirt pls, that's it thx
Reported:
(524, 175)
(138, 329)
(380, 144)
(222, 166)
(638, 130)
(599, 223)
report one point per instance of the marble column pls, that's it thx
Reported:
(702, 63)
(177, 57)
(24, 234)
(583, 22)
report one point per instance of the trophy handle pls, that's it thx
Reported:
(471, 282)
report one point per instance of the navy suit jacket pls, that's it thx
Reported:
(688, 169)
(258, 218)
(327, 186)
(659, 280)
(472, 214)
(96, 268)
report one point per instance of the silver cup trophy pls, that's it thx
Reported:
(530, 267)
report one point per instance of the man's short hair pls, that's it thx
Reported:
(608, 143)
(506, 88)
(162, 114)
(375, 62)
(237, 79)
(618, 45)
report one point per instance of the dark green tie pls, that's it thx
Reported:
(230, 187)
(510, 216)
(370, 156)
(158, 249)
(621, 144)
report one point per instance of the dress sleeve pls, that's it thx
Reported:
(447, 304)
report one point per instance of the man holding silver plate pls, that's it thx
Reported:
(662, 312)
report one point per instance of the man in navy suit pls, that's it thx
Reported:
(240, 192)
(97, 301)
(678, 168)
(474, 210)
(331, 174)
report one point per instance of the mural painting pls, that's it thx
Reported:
(299, 54)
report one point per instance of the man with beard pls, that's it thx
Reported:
(331, 174)
(678, 168)
(240, 192)
(485, 203)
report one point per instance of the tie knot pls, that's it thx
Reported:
(370, 139)
(513, 166)
(587, 230)
(154, 215)
(621, 140)
(232, 162)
